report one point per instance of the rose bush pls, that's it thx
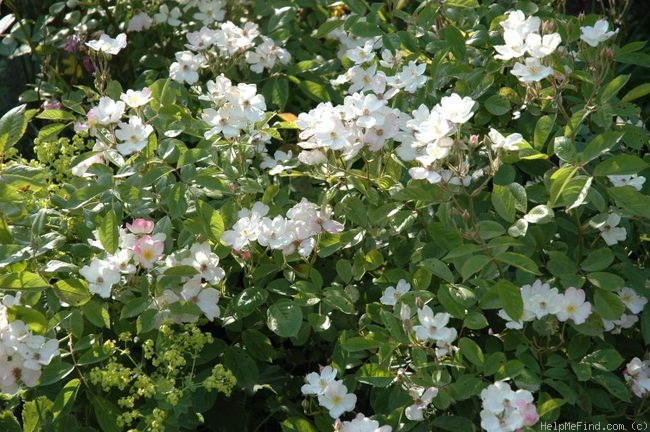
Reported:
(306, 215)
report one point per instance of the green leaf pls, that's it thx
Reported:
(607, 359)
(146, 321)
(559, 181)
(258, 345)
(135, 307)
(608, 305)
(327, 27)
(13, 125)
(56, 115)
(520, 261)
(471, 351)
(606, 281)
(613, 87)
(497, 105)
(620, 165)
(504, 202)
(344, 270)
(240, 363)
(613, 385)
(438, 268)
(462, 3)
(35, 413)
(32, 317)
(314, 90)
(9, 423)
(108, 230)
(543, 130)
(65, 399)
(72, 291)
(277, 91)
(565, 149)
(297, 424)
(97, 314)
(550, 405)
(249, 300)
(359, 343)
(453, 423)
(22, 281)
(575, 192)
(599, 146)
(473, 265)
(176, 201)
(284, 318)
(637, 92)
(511, 300)
(106, 414)
(631, 201)
(599, 259)
(475, 321)
(366, 29)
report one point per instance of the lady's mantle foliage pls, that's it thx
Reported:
(443, 205)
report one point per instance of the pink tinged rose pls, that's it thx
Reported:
(148, 250)
(529, 414)
(140, 226)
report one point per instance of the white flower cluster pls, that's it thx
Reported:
(506, 410)
(332, 393)
(541, 300)
(197, 289)
(422, 398)
(634, 180)
(433, 327)
(296, 232)
(349, 41)
(208, 45)
(637, 376)
(634, 303)
(607, 224)
(114, 143)
(393, 295)
(22, 353)
(427, 136)
(266, 54)
(235, 107)
(521, 37)
(362, 120)
(135, 241)
(361, 423)
(209, 11)
(594, 35)
(107, 45)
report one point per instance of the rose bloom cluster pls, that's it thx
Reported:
(295, 232)
(197, 289)
(227, 40)
(234, 108)
(140, 248)
(332, 393)
(634, 303)
(541, 300)
(637, 376)
(431, 328)
(115, 138)
(506, 410)
(22, 353)
(521, 37)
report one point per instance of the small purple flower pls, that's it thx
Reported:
(71, 45)
(52, 105)
(88, 64)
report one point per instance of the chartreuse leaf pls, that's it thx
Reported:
(65, 399)
(106, 413)
(600, 145)
(613, 87)
(72, 291)
(637, 92)
(12, 127)
(284, 318)
(631, 201)
(621, 164)
(108, 230)
(543, 130)
(8, 422)
(511, 300)
(22, 281)
(471, 351)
